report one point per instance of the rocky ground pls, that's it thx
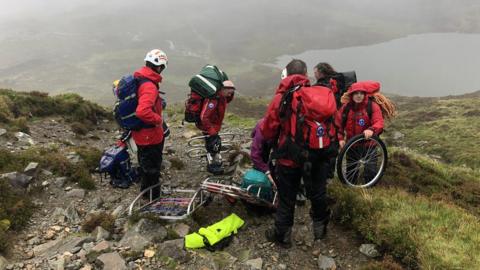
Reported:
(54, 238)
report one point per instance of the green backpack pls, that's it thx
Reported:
(208, 81)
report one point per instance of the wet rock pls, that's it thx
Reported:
(398, 135)
(24, 139)
(101, 247)
(58, 264)
(173, 249)
(34, 241)
(17, 180)
(59, 214)
(111, 261)
(3, 131)
(32, 169)
(60, 245)
(71, 214)
(326, 263)
(60, 181)
(142, 233)
(100, 234)
(76, 193)
(369, 250)
(46, 172)
(255, 264)
(181, 229)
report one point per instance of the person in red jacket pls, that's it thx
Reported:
(289, 173)
(211, 119)
(354, 118)
(150, 140)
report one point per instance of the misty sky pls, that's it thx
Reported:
(82, 46)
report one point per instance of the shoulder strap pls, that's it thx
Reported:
(345, 114)
(286, 103)
(369, 108)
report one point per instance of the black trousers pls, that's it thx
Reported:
(150, 161)
(213, 144)
(288, 180)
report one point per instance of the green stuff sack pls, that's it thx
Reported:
(215, 235)
(208, 81)
(257, 179)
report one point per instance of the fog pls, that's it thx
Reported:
(82, 46)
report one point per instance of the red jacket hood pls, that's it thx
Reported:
(290, 81)
(369, 87)
(148, 73)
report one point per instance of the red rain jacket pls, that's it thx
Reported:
(271, 124)
(149, 108)
(213, 112)
(357, 118)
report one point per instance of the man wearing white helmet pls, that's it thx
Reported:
(150, 140)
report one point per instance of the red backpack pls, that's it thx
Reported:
(307, 111)
(193, 107)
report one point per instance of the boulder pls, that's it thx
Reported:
(17, 180)
(326, 263)
(24, 139)
(76, 193)
(111, 261)
(255, 264)
(32, 169)
(100, 234)
(369, 250)
(143, 233)
(3, 131)
(173, 249)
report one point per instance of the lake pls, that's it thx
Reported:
(418, 65)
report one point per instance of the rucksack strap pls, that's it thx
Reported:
(369, 108)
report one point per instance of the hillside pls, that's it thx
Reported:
(421, 204)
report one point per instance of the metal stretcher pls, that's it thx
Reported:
(173, 204)
(251, 194)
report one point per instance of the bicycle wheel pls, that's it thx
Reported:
(361, 163)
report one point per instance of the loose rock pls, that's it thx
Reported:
(326, 263)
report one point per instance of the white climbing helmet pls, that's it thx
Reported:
(157, 57)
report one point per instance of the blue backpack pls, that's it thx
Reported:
(116, 163)
(127, 101)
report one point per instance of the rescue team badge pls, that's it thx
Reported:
(211, 105)
(320, 131)
(361, 122)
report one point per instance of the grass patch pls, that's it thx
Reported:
(15, 211)
(417, 231)
(54, 160)
(419, 174)
(17, 106)
(238, 121)
(444, 127)
(103, 219)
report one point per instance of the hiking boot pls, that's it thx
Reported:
(284, 240)
(120, 183)
(301, 199)
(215, 169)
(214, 164)
(320, 229)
